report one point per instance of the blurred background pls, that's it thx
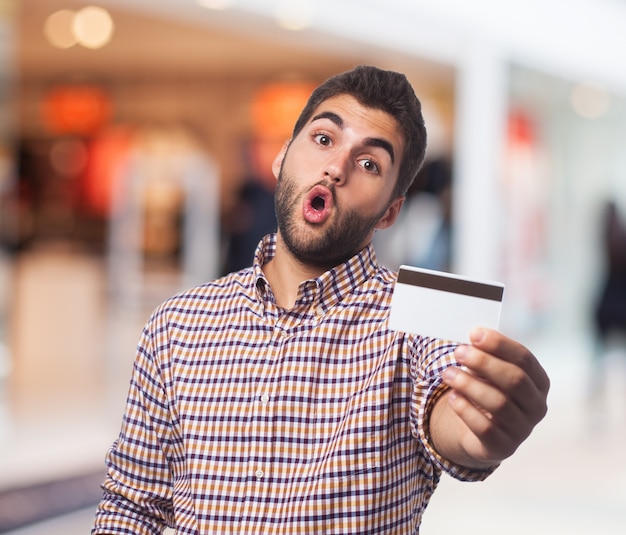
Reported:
(135, 141)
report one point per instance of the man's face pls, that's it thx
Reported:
(335, 181)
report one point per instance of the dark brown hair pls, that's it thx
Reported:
(388, 91)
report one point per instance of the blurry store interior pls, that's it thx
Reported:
(136, 137)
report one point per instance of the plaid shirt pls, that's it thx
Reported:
(243, 417)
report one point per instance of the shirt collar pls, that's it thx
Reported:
(332, 285)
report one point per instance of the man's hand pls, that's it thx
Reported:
(494, 401)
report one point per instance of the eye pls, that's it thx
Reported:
(369, 165)
(322, 139)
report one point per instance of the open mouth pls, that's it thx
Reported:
(318, 205)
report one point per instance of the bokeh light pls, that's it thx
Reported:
(68, 157)
(214, 4)
(58, 29)
(76, 109)
(91, 27)
(590, 100)
(294, 16)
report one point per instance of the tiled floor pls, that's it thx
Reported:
(568, 478)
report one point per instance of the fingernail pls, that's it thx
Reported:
(450, 373)
(460, 352)
(477, 335)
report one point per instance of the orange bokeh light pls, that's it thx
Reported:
(276, 107)
(76, 109)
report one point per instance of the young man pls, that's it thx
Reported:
(276, 399)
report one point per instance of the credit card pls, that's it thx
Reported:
(443, 305)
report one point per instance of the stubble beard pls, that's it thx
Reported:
(332, 242)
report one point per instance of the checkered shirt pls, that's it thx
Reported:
(243, 417)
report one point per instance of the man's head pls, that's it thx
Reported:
(388, 91)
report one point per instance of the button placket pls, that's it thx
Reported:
(261, 426)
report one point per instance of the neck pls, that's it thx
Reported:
(285, 273)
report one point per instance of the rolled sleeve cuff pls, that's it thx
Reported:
(462, 473)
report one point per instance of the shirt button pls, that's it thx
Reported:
(259, 474)
(265, 398)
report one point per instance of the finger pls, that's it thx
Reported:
(507, 383)
(487, 440)
(495, 343)
(496, 424)
(490, 400)
(504, 375)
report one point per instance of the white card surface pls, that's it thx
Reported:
(443, 305)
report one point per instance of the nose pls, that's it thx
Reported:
(335, 168)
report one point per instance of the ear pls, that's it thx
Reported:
(278, 159)
(391, 214)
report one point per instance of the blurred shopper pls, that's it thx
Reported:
(610, 310)
(422, 234)
(253, 215)
(276, 399)
(274, 109)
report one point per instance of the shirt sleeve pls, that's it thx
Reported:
(429, 360)
(138, 487)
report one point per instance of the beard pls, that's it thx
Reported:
(326, 245)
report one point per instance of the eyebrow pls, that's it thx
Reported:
(370, 141)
